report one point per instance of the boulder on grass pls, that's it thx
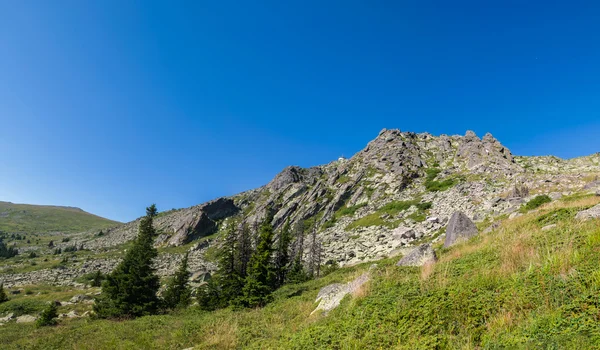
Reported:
(592, 213)
(460, 228)
(419, 256)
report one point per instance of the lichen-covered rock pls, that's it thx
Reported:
(459, 228)
(419, 256)
(592, 213)
(330, 296)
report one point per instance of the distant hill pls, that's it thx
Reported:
(26, 218)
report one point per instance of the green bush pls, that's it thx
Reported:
(537, 202)
(48, 316)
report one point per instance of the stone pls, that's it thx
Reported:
(403, 233)
(548, 227)
(419, 256)
(592, 213)
(459, 228)
(8, 317)
(330, 297)
(80, 298)
(514, 215)
(26, 319)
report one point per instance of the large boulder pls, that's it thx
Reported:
(201, 221)
(592, 213)
(460, 228)
(330, 296)
(419, 256)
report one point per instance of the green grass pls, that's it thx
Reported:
(27, 218)
(517, 287)
(392, 209)
(536, 202)
(438, 186)
(348, 211)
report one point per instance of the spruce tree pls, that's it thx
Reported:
(130, 290)
(261, 277)
(178, 292)
(48, 316)
(244, 250)
(3, 296)
(226, 284)
(314, 258)
(282, 256)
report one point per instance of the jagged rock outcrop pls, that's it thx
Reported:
(419, 256)
(350, 203)
(460, 228)
(201, 221)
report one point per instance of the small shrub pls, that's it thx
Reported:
(3, 296)
(536, 202)
(48, 316)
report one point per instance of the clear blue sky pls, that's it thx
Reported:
(113, 105)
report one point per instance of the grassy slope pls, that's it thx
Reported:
(25, 218)
(517, 287)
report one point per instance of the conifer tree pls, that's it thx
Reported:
(48, 316)
(282, 256)
(178, 292)
(297, 272)
(244, 250)
(3, 296)
(130, 290)
(261, 275)
(314, 258)
(226, 284)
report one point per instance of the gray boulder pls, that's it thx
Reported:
(26, 319)
(459, 228)
(419, 256)
(592, 213)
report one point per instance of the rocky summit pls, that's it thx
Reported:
(400, 191)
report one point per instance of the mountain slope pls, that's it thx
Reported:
(26, 218)
(517, 286)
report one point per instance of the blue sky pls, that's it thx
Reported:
(113, 105)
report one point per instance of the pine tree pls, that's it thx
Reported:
(7, 252)
(297, 273)
(3, 296)
(261, 275)
(178, 292)
(226, 284)
(314, 258)
(48, 316)
(282, 256)
(130, 290)
(244, 250)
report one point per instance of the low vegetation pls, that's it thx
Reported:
(536, 202)
(516, 287)
(389, 211)
(45, 219)
(432, 185)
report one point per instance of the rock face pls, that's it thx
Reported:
(201, 221)
(419, 256)
(459, 228)
(348, 201)
(592, 213)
